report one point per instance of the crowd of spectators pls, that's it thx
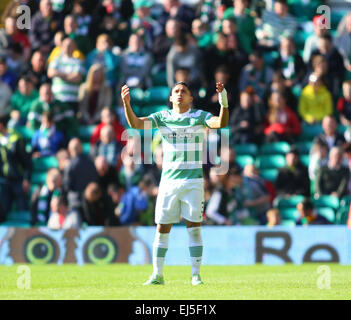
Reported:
(65, 72)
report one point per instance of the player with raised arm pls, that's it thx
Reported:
(181, 190)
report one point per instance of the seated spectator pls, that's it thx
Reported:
(275, 24)
(132, 169)
(63, 116)
(78, 174)
(332, 179)
(221, 74)
(330, 136)
(318, 158)
(63, 159)
(315, 101)
(293, 178)
(95, 210)
(108, 117)
(257, 197)
(143, 24)
(343, 43)
(45, 23)
(5, 94)
(107, 174)
(47, 140)
(15, 180)
(246, 120)
(245, 23)
(135, 202)
(6, 75)
(15, 60)
(164, 42)
(108, 146)
(37, 69)
(336, 68)
(55, 53)
(83, 43)
(83, 18)
(115, 193)
(66, 73)
(256, 74)
(273, 217)
(58, 213)
(183, 55)
(344, 103)
(201, 33)
(347, 161)
(136, 64)
(308, 215)
(104, 56)
(21, 101)
(221, 205)
(94, 95)
(41, 198)
(281, 123)
(290, 63)
(311, 43)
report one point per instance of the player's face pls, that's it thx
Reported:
(181, 96)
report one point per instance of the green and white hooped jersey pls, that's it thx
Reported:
(182, 142)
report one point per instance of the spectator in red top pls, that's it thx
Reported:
(281, 123)
(344, 104)
(108, 117)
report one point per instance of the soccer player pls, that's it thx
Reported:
(181, 190)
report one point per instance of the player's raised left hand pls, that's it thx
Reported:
(219, 87)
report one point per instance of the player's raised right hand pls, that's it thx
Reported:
(125, 94)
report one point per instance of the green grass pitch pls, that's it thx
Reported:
(122, 281)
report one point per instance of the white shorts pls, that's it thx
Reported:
(178, 198)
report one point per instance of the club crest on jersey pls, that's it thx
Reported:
(180, 133)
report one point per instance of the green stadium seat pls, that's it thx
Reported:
(19, 216)
(326, 201)
(336, 16)
(16, 224)
(136, 96)
(305, 159)
(159, 78)
(269, 174)
(270, 161)
(289, 214)
(85, 132)
(275, 148)
(327, 213)
(304, 147)
(244, 159)
(156, 95)
(309, 132)
(38, 178)
(86, 147)
(288, 223)
(147, 110)
(247, 148)
(288, 202)
(25, 132)
(342, 128)
(342, 216)
(44, 163)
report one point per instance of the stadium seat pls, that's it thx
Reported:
(288, 223)
(275, 148)
(19, 216)
(289, 214)
(156, 95)
(304, 147)
(244, 159)
(44, 163)
(309, 132)
(17, 224)
(288, 202)
(326, 201)
(327, 213)
(270, 161)
(86, 147)
(147, 110)
(159, 78)
(342, 216)
(137, 96)
(85, 132)
(269, 174)
(342, 128)
(38, 178)
(25, 132)
(305, 159)
(247, 148)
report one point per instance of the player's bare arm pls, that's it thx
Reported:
(222, 120)
(133, 121)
